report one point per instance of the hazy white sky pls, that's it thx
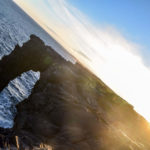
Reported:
(112, 57)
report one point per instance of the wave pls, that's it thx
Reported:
(15, 29)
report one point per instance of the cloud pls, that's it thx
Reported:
(111, 57)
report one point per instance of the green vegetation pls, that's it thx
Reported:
(47, 60)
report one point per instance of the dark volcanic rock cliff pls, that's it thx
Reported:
(69, 108)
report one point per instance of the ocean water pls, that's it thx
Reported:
(16, 28)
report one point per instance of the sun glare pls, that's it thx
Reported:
(111, 57)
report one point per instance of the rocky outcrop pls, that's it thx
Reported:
(69, 108)
(34, 55)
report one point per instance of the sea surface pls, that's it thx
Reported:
(16, 28)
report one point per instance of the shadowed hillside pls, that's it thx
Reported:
(69, 108)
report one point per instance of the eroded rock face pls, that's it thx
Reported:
(34, 55)
(69, 108)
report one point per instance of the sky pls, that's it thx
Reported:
(111, 38)
(130, 17)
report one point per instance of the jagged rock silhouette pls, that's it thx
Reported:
(69, 108)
